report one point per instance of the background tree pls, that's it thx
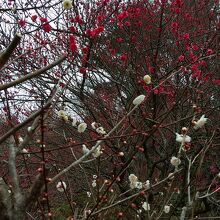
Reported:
(85, 62)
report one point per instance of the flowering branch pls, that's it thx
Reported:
(136, 194)
(75, 163)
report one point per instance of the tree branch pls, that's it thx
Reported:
(5, 55)
(13, 172)
(75, 163)
(36, 189)
(5, 203)
(29, 119)
(32, 75)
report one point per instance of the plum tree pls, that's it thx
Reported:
(109, 109)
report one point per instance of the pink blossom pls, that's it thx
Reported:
(46, 27)
(72, 29)
(21, 23)
(181, 57)
(34, 18)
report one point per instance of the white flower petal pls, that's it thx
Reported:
(85, 150)
(138, 100)
(93, 125)
(61, 186)
(74, 122)
(175, 161)
(183, 138)
(97, 152)
(146, 206)
(133, 181)
(200, 123)
(139, 185)
(147, 79)
(82, 127)
(100, 130)
(166, 209)
(187, 139)
(20, 140)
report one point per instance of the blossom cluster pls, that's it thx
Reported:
(134, 183)
(183, 138)
(96, 153)
(99, 129)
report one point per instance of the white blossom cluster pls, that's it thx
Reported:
(135, 184)
(96, 153)
(99, 129)
(183, 138)
(63, 115)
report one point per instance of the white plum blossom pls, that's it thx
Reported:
(89, 194)
(85, 150)
(20, 140)
(147, 79)
(100, 130)
(139, 185)
(29, 129)
(67, 4)
(133, 181)
(147, 184)
(94, 183)
(26, 152)
(93, 125)
(61, 186)
(97, 152)
(200, 123)
(121, 154)
(175, 161)
(86, 213)
(138, 100)
(146, 206)
(74, 122)
(63, 115)
(82, 127)
(182, 138)
(166, 209)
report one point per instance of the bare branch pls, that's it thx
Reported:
(5, 55)
(32, 75)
